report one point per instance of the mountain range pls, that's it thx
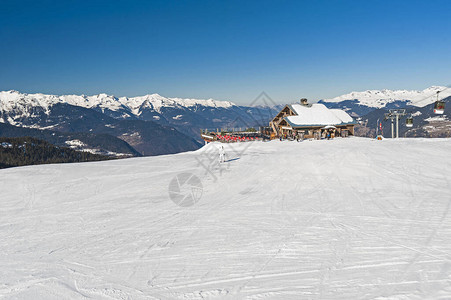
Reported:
(154, 125)
(369, 108)
(150, 124)
(425, 122)
(361, 103)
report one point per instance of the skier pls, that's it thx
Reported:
(221, 154)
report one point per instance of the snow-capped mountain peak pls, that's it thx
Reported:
(380, 98)
(20, 102)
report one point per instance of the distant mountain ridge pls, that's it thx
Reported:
(151, 124)
(133, 106)
(425, 122)
(362, 103)
(369, 108)
(380, 98)
(101, 116)
(185, 115)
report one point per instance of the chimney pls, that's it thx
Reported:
(304, 102)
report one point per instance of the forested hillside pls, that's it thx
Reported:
(30, 151)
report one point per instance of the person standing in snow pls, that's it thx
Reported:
(221, 154)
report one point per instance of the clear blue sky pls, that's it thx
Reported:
(227, 50)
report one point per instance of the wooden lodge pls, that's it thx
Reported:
(295, 121)
(303, 120)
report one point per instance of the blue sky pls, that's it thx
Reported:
(227, 50)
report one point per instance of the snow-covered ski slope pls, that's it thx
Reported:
(342, 219)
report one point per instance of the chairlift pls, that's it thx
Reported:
(439, 106)
(409, 122)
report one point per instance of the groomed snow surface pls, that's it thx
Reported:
(341, 219)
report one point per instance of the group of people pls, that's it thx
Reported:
(328, 134)
(298, 136)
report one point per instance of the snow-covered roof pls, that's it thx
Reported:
(317, 115)
(342, 115)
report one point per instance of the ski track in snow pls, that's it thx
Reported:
(342, 219)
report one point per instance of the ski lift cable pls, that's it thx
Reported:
(447, 87)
